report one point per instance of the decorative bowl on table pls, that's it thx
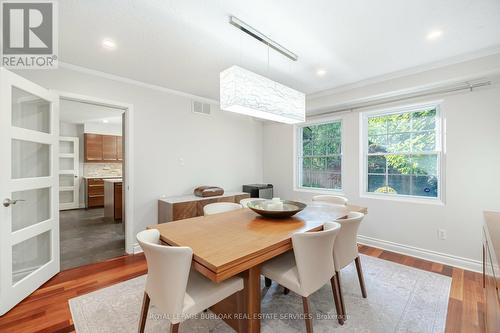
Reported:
(276, 208)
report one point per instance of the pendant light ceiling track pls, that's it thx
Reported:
(262, 38)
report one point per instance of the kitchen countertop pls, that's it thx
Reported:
(101, 177)
(112, 180)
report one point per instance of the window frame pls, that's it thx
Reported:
(297, 166)
(439, 151)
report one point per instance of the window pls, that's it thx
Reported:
(319, 156)
(403, 152)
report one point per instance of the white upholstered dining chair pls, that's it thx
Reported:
(333, 199)
(220, 207)
(175, 289)
(244, 202)
(308, 267)
(345, 250)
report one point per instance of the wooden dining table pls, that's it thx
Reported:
(236, 243)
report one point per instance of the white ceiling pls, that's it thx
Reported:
(79, 113)
(184, 44)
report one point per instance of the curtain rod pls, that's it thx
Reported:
(405, 96)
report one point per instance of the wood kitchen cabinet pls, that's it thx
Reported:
(93, 147)
(109, 152)
(113, 199)
(95, 192)
(119, 148)
(102, 148)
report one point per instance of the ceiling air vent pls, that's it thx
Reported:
(199, 107)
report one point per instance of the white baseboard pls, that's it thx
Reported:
(442, 258)
(136, 248)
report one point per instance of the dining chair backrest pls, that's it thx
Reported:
(313, 256)
(220, 207)
(244, 202)
(333, 199)
(168, 272)
(345, 249)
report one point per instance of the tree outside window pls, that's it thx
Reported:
(402, 153)
(320, 156)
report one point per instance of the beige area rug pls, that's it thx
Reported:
(400, 299)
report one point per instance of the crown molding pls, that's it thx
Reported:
(495, 49)
(138, 83)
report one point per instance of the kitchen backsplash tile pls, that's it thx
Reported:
(102, 169)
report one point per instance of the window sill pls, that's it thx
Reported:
(318, 191)
(409, 199)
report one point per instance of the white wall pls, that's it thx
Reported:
(101, 128)
(174, 149)
(472, 172)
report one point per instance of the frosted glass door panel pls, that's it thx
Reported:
(66, 197)
(66, 163)
(66, 147)
(29, 255)
(29, 111)
(66, 180)
(34, 209)
(30, 159)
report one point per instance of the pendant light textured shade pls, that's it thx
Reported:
(246, 92)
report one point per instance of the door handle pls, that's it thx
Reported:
(7, 202)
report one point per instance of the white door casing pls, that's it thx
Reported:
(69, 173)
(29, 173)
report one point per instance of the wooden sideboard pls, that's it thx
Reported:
(186, 206)
(491, 270)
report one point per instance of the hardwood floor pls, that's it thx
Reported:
(47, 310)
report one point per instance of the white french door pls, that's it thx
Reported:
(29, 187)
(69, 170)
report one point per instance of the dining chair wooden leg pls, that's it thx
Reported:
(336, 300)
(144, 313)
(307, 315)
(174, 328)
(360, 276)
(268, 282)
(339, 288)
(286, 291)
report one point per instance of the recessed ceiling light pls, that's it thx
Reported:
(105, 121)
(321, 72)
(108, 44)
(435, 34)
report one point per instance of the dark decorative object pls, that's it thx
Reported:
(208, 191)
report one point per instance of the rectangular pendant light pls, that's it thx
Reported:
(246, 92)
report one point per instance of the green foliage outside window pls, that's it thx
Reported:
(402, 157)
(321, 156)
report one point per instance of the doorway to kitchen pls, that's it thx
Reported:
(91, 192)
